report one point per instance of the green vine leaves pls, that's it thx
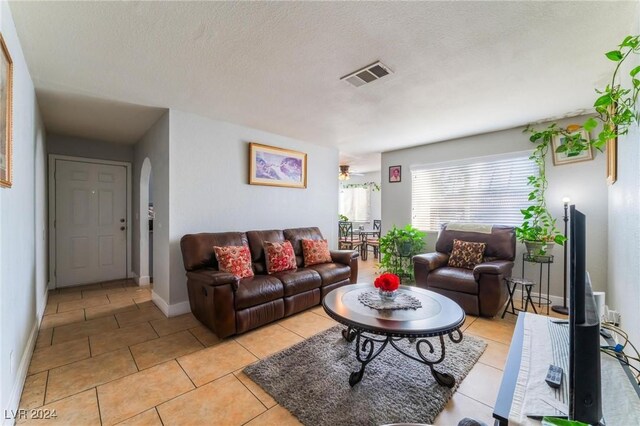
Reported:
(374, 186)
(615, 107)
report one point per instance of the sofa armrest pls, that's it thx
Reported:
(496, 267)
(343, 256)
(431, 261)
(214, 278)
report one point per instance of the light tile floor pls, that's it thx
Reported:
(106, 355)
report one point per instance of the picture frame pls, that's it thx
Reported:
(6, 116)
(560, 158)
(273, 166)
(395, 174)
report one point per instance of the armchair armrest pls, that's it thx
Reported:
(343, 256)
(496, 267)
(423, 264)
(431, 261)
(214, 278)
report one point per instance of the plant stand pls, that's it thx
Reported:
(541, 260)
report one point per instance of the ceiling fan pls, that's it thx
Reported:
(345, 174)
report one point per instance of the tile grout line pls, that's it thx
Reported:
(134, 359)
(185, 372)
(98, 403)
(254, 395)
(158, 413)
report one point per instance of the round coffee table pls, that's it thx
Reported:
(374, 329)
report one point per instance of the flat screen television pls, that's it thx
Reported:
(584, 331)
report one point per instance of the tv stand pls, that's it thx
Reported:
(504, 400)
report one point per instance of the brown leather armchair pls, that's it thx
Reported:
(480, 291)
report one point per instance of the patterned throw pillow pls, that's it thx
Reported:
(466, 254)
(235, 260)
(315, 252)
(280, 257)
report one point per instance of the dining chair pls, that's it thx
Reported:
(346, 239)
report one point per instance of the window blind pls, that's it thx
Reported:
(488, 191)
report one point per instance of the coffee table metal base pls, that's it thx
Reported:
(369, 346)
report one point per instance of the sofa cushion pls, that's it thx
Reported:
(257, 290)
(296, 235)
(332, 272)
(235, 260)
(299, 280)
(454, 279)
(466, 254)
(315, 252)
(256, 245)
(279, 256)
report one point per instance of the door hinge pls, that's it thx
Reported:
(54, 223)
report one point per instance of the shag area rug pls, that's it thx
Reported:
(311, 380)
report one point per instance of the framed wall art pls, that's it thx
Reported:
(6, 116)
(273, 166)
(395, 174)
(560, 158)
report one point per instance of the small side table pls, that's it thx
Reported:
(541, 260)
(527, 285)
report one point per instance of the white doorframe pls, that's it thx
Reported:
(52, 209)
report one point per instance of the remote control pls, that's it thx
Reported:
(554, 376)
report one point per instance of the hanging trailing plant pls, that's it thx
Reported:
(616, 111)
(538, 229)
(615, 106)
(367, 185)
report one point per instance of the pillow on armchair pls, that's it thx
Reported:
(466, 254)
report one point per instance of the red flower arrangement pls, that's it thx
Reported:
(387, 282)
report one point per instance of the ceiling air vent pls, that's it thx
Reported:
(367, 74)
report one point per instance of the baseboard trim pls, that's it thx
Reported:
(142, 281)
(23, 368)
(170, 310)
(179, 309)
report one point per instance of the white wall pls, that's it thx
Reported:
(376, 196)
(155, 146)
(210, 190)
(23, 283)
(89, 148)
(624, 229)
(584, 182)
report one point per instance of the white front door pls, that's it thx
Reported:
(91, 214)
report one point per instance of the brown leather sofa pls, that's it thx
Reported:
(229, 305)
(480, 291)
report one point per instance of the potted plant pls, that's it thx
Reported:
(397, 248)
(538, 230)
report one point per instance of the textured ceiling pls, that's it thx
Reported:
(460, 68)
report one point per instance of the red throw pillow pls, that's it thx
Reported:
(235, 260)
(315, 252)
(279, 256)
(466, 254)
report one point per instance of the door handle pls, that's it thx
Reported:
(122, 220)
(122, 228)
